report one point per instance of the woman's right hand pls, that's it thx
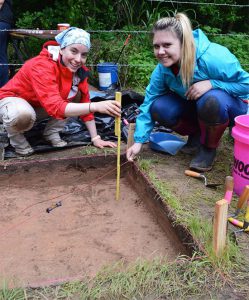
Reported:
(133, 151)
(110, 107)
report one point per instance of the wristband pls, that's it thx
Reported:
(90, 107)
(96, 138)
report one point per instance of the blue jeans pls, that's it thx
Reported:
(213, 111)
(4, 70)
(214, 107)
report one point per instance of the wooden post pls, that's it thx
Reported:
(130, 139)
(220, 226)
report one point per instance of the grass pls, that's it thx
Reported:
(90, 150)
(11, 294)
(177, 280)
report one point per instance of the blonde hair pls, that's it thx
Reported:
(180, 25)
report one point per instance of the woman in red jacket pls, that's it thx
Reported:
(53, 84)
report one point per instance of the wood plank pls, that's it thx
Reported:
(220, 226)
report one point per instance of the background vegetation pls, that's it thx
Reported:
(137, 61)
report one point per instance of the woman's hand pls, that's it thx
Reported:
(110, 107)
(197, 89)
(133, 151)
(99, 143)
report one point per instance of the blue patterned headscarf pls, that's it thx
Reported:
(73, 35)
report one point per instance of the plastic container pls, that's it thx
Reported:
(240, 133)
(108, 75)
(63, 26)
(166, 142)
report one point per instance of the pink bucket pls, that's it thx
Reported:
(240, 133)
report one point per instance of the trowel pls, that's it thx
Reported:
(202, 176)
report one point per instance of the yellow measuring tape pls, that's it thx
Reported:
(118, 97)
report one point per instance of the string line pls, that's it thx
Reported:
(120, 65)
(202, 3)
(41, 32)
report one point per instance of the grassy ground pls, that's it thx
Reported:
(202, 276)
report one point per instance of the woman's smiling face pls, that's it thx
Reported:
(74, 56)
(167, 47)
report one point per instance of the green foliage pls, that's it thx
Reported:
(138, 13)
(48, 18)
(141, 68)
(36, 19)
(219, 16)
(227, 18)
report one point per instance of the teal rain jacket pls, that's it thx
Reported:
(213, 62)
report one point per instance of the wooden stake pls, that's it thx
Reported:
(118, 97)
(220, 226)
(130, 139)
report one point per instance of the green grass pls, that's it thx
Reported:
(176, 280)
(90, 150)
(11, 294)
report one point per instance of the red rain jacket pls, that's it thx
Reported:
(46, 83)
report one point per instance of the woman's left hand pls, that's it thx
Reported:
(99, 143)
(197, 89)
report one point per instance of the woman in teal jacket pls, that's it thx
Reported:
(197, 89)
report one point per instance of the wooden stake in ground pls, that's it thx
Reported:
(220, 226)
(130, 139)
(118, 97)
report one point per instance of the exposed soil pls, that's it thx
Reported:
(91, 228)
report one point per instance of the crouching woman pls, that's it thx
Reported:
(52, 85)
(197, 89)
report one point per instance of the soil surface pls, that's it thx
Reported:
(90, 230)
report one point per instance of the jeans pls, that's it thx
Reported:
(4, 70)
(214, 107)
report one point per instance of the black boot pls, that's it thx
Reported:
(192, 145)
(204, 159)
(210, 137)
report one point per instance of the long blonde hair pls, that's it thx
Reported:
(180, 25)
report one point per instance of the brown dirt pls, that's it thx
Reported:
(91, 228)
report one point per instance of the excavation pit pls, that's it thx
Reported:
(91, 229)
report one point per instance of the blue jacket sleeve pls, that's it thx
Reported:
(226, 73)
(144, 122)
